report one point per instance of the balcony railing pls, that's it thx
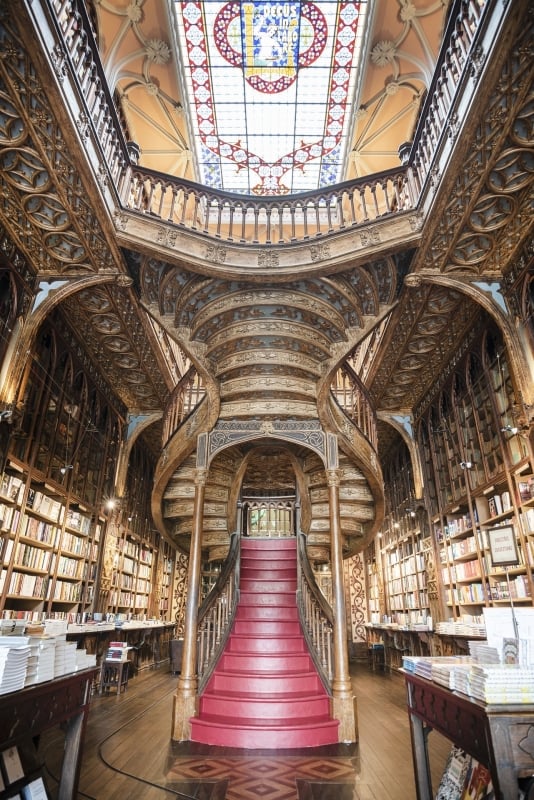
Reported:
(252, 220)
(268, 220)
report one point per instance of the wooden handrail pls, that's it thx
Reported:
(353, 399)
(316, 617)
(186, 396)
(216, 613)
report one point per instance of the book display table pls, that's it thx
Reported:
(114, 675)
(499, 736)
(60, 702)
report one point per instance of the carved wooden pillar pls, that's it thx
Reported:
(186, 692)
(344, 701)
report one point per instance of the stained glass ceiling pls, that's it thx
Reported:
(270, 88)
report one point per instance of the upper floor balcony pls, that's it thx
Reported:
(381, 208)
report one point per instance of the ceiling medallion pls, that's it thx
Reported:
(269, 41)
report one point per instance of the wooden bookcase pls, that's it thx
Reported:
(48, 549)
(478, 479)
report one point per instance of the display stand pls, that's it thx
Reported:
(500, 737)
(61, 702)
(114, 675)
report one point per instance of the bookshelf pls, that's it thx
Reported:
(48, 547)
(478, 485)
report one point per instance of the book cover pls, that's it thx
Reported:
(454, 775)
(12, 765)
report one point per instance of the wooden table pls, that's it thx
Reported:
(498, 736)
(64, 701)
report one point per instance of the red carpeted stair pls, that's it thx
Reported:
(265, 691)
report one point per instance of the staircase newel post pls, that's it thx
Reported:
(185, 699)
(344, 701)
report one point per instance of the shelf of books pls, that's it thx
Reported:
(48, 550)
(486, 548)
(165, 577)
(131, 584)
(404, 570)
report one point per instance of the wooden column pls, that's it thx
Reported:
(344, 701)
(186, 692)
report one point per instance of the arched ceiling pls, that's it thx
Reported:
(54, 227)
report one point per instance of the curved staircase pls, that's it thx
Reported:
(265, 691)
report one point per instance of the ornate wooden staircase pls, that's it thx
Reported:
(265, 691)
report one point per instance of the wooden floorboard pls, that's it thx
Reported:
(128, 753)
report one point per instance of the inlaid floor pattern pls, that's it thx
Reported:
(269, 778)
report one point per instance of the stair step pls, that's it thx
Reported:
(265, 544)
(225, 733)
(269, 572)
(265, 645)
(266, 627)
(295, 683)
(272, 663)
(286, 710)
(286, 613)
(268, 586)
(258, 599)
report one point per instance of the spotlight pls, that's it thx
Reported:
(466, 464)
(510, 429)
(6, 416)
(65, 469)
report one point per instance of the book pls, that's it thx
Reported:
(35, 790)
(454, 775)
(12, 765)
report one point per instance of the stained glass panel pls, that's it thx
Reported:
(270, 88)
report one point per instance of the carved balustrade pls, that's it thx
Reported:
(268, 220)
(316, 617)
(456, 59)
(186, 396)
(353, 399)
(216, 614)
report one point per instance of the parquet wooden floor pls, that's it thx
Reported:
(128, 754)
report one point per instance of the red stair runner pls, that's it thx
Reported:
(265, 691)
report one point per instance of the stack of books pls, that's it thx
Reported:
(65, 656)
(498, 684)
(14, 655)
(42, 659)
(117, 651)
(84, 660)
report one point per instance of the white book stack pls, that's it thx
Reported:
(507, 684)
(84, 660)
(65, 656)
(41, 663)
(14, 655)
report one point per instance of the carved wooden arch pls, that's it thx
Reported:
(488, 295)
(48, 296)
(238, 479)
(136, 426)
(403, 424)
